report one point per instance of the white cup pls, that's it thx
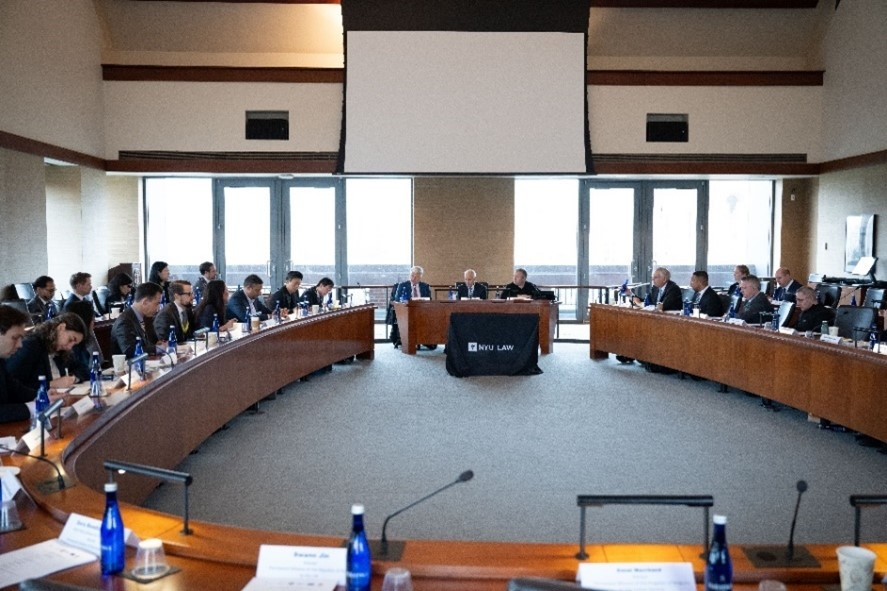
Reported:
(315, 309)
(150, 560)
(771, 585)
(856, 567)
(212, 339)
(833, 331)
(254, 323)
(397, 579)
(119, 363)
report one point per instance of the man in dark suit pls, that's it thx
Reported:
(813, 314)
(471, 288)
(664, 293)
(81, 287)
(248, 302)
(786, 287)
(705, 298)
(178, 313)
(756, 307)
(137, 322)
(414, 288)
(14, 396)
(44, 289)
(287, 297)
(208, 273)
(317, 295)
(519, 286)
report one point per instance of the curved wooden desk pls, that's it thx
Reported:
(840, 383)
(164, 421)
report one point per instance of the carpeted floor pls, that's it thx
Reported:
(387, 432)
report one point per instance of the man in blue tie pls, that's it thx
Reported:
(785, 286)
(471, 288)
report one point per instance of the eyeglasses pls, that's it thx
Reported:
(187, 293)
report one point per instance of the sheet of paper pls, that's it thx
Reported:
(40, 560)
(637, 576)
(260, 584)
(302, 563)
(9, 482)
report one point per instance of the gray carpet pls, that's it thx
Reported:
(387, 432)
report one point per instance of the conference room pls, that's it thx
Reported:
(696, 137)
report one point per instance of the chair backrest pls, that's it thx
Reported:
(687, 294)
(25, 291)
(785, 312)
(874, 298)
(828, 294)
(852, 322)
(21, 306)
(45, 585)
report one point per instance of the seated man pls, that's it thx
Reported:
(519, 287)
(315, 296)
(813, 314)
(471, 289)
(664, 293)
(708, 301)
(739, 271)
(81, 288)
(785, 286)
(178, 313)
(247, 302)
(208, 273)
(16, 399)
(755, 308)
(287, 297)
(136, 321)
(44, 288)
(414, 288)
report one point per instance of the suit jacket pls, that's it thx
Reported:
(710, 303)
(206, 317)
(238, 307)
(74, 298)
(125, 331)
(32, 361)
(786, 293)
(37, 307)
(287, 300)
(480, 291)
(169, 316)
(405, 291)
(813, 318)
(752, 309)
(201, 285)
(512, 290)
(312, 298)
(13, 396)
(672, 296)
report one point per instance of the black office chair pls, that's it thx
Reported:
(687, 294)
(828, 294)
(726, 301)
(25, 291)
(100, 299)
(785, 312)
(21, 306)
(874, 298)
(854, 322)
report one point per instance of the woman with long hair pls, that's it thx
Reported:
(214, 303)
(160, 275)
(119, 288)
(47, 352)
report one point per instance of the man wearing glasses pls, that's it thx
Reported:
(178, 313)
(44, 288)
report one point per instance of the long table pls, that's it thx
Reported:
(836, 382)
(426, 322)
(167, 418)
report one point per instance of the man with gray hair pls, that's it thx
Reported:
(471, 288)
(414, 288)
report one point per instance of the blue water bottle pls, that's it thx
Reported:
(774, 323)
(41, 403)
(128, 302)
(112, 533)
(647, 300)
(718, 567)
(874, 338)
(196, 296)
(140, 366)
(172, 341)
(95, 381)
(275, 316)
(359, 565)
(49, 313)
(688, 308)
(853, 300)
(215, 328)
(163, 299)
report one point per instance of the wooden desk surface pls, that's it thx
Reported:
(840, 383)
(220, 557)
(428, 321)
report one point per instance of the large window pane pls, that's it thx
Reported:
(546, 220)
(739, 228)
(674, 232)
(247, 234)
(380, 230)
(179, 229)
(313, 232)
(611, 231)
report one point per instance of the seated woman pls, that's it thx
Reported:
(214, 303)
(82, 351)
(119, 288)
(47, 352)
(160, 275)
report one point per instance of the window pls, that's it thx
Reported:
(546, 219)
(380, 230)
(739, 228)
(178, 219)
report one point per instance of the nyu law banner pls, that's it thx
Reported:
(493, 344)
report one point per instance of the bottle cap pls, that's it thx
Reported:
(110, 487)
(357, 509)
(41, 377)
(720, 519)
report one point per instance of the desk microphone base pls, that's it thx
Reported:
(47, 487)
(394, 554)
(776, 557)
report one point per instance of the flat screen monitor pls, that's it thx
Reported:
(865, 265)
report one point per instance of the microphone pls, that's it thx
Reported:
(48, 486)
(393, 551)
(790, 550)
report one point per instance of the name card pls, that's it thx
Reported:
(9, 482)
(7, 442)
(83, 406)
(630, 576)
(31, 439)
(302, 563)
(787, 330)
(830, 338)
(736, 321)
(84, 532)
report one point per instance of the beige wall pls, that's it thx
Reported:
(22, 217)
(461, 223)
(793, 227)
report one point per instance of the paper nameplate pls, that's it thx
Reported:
(68, 412)
(9, 482)
(421, 299)
(737, 321)
(302, 563)
(830, 338)
(31, 439)
(84, 532)
(7, 442)
(264, 584)
(650, 308)
(83, 406)
(81, 390)
(787, 330)
(631, 576)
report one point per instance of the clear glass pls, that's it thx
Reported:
(674, 232)
(740, 215)
(247, 234)
(313, 232)
(546, 218)
(611, 235)
(179, 213)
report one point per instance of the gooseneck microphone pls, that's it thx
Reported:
(383, 550)
(790, 550)
(49, 486)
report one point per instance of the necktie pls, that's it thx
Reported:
(184, 321)
(697, 297)
(470, 291)
(415, 291)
